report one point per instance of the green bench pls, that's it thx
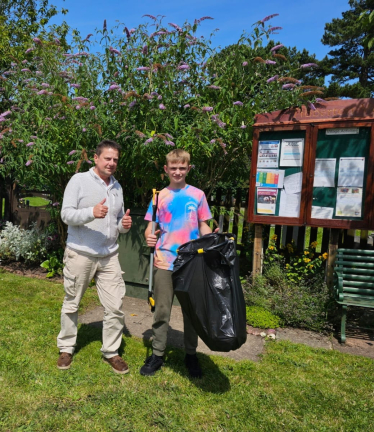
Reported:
(353, 281)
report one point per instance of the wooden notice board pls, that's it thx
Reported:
(315, 167)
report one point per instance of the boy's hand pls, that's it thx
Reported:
(152, 239)
(126, 220)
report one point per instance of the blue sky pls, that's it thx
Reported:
(303, 22)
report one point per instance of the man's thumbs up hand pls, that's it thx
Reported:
(126, 220)
(100, 210)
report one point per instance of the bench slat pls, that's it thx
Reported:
(356, 301)
(350, 263)
(355, 258)
(355, 252)
(358, 278)
(351, 283)
(368, 292)
(348, 270)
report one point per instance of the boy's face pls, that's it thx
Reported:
(177, 172)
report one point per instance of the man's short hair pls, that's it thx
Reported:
(107, 143)
(178, 155)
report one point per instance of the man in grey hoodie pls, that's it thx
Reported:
(94, 212)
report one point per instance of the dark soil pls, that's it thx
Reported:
(22, 269)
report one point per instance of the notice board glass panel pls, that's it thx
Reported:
(340, 175)
(279, 171)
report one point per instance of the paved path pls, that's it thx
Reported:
(139, 322)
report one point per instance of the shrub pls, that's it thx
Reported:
(304, 305)
(17, 243)
(258, 316)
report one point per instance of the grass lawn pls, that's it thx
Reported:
(293, 387)
(36, 201)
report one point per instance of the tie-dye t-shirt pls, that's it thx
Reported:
(178, 216)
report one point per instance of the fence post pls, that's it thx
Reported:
(257, 251)
(333, 247)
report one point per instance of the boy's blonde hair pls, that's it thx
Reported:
(178, 155)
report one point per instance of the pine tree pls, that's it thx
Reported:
(351, 62)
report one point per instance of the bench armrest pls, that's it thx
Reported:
(338, 285)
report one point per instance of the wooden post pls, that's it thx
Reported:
(364, 239)
(257, 251)
(333, 247)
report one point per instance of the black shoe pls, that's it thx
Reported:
(192, 363)
(152, 364)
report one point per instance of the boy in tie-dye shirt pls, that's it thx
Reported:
(181, 216)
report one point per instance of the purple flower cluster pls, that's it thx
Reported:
(216, 119)
(183, 67)
(162, 107)
(207, 108)
(169, 143)
(267, 18)
(30, 144)
(276, 47)
(143, 68)
(238, 103)
(273, 78)
(187, 106)
(175, 26)
(28, 163)
(114, 51)
(311, 106)
(308, 65)
(149, 140)
(288, 86)
(272, 62)
(70, 163)
(245, 63)
(72, 152)
(114, 87)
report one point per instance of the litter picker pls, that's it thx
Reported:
(150, 286)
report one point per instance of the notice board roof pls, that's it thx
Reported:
(347, 109)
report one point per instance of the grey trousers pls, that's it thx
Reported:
(163, 296)
(79, 270)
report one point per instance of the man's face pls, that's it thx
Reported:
(177, 172)
(106, 163)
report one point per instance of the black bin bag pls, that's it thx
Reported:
(207, 285)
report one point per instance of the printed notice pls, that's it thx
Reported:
(268, 154)
(289, 205)
(292, 151)
(351, 171)
(348, 202)
(322, 212)
(343, 131)
(266, 200)
(270, 178)
(324, 173)
(293, 183)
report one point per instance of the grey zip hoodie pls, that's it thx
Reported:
(94, 237)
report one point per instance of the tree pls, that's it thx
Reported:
(20, 20)
(351, 62)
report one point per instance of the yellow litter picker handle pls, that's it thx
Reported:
(151, 300)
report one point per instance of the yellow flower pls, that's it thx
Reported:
(320, 257)
(287, 266)
(310, 266)
(306, 252)
(274, 237)
(307, 260)
(271, 247)
(314, 244)
(325, 255)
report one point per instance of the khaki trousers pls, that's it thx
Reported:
(78, 272)
(163, 296)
